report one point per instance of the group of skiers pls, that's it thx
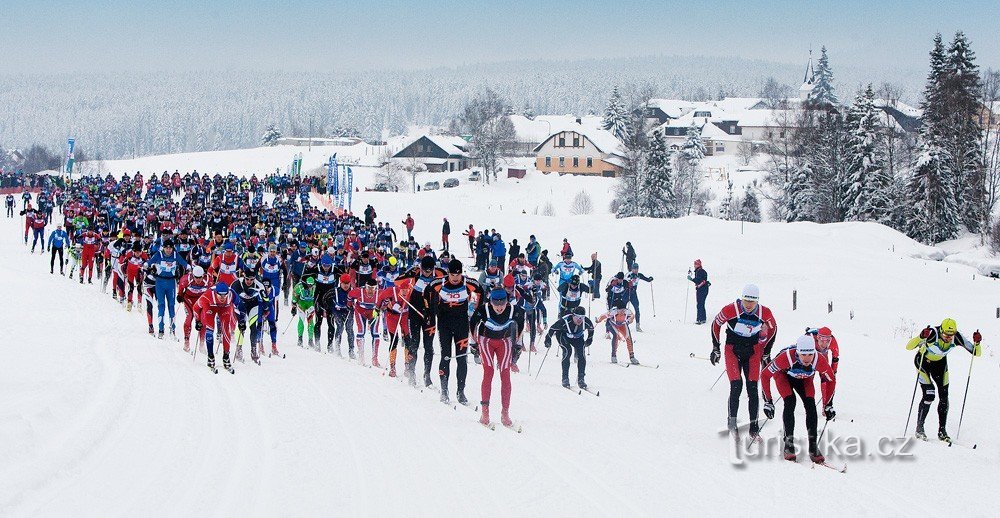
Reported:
(212, 244)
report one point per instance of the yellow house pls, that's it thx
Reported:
(577, 149)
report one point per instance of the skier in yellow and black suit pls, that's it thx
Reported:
(934, 344)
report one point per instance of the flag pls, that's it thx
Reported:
(69, 156)
(350, 187)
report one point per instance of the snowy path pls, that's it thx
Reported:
(99, 419)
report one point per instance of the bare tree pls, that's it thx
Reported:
(990, 99)
(485, 117)
(746, 150)
(582, 204)
(775, 94)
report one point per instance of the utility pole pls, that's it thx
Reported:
(310, 133)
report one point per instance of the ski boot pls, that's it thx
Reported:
(580, 383)
(943, 435)
(638, 328)
(815, 455)
(129, 307)
(485, 418)
(532, 349)
(632, 360)
(505, 418)
(300, 341)
(81, 279)
(461, 397)
(151, 331)
(614, 359)
(311, 341)
(444, 391)
(754, 432)
(274, 349)
(225, 361)
(187, 344)
(392, 371)
(350, 353)
(427, 378)
(514, 368)
(159, 334)
(565, 382)
(920, 434)
(211, 362)
(789, 449)
(375, 362)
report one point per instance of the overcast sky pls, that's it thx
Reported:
(99, 35)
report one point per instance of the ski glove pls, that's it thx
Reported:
(829, 412)
(926, 333)
(242, 326)
(588, 342)
(977, 337)
(197, 325)
(715, 355)
(294, 310)
(764, 360)
(768, 409)
(548, 342)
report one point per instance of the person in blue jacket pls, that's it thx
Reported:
(701, 284)
(167, 266)
(533, 249)
(57, 240)
(499, 252)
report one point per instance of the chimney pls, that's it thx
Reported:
(579, 120)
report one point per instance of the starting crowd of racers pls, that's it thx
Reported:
(234, 262)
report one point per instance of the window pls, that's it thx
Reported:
(562, 141)
(576, 140)
(590, 162)
(720, 147)
(548, 161)
(576, 162)
(562, 162)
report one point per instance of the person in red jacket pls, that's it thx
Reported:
(90, 240)
(191, 287)
(392, 302)
(827, 346)
(134, 259)
(408, 223)
(225, 266)
(793, 369)
(471, 234)
(750, 331)
(216, 304)
(363, 300)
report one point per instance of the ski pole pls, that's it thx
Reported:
(694, 356)
(687, 294)
(652, 298)
(547, 349)
(717, 380)
(196, 346)
(968, 380)
(914, 396)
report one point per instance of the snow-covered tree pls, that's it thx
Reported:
(271, 136)
(616, 116)
(750, 208)
(962, 88)
(727, 207)
(800, 197)
(822, 94)
(868, 184)
(657, 189)
(931, 194)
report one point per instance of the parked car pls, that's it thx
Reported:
(451, 182)
(432, 186)
(474, 177)
(381, 187)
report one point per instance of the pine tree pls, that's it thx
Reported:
(657, 189)
(750, 208)
(822, 94)
(693, 150)
(961, 89)
(868, 184)
(800, 195)
(727, 206)
(271, 136)
(616, 116)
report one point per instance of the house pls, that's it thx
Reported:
(903, 117)
(661, 111)
(438, 152)
(578, 149)
(529, 133)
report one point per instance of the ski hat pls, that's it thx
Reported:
(493, 262)
(392, 261)
(620, 276)
(326, 261)
(249, 272)
(198, 271)
(228, 247)
(310, 281)
(579, 311)
(455, 266)
(427, 263)
(221, 288)
(824, 331)
(508, 281)
(498, 294)
(345, 278)
(635, 266)
(948, 326)
(750, 292)
(805, 344)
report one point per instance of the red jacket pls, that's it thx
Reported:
(787, 363)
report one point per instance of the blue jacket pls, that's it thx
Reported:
(58, 238)
(166, 268)
(499, 248)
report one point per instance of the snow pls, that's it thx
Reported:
(99, 419)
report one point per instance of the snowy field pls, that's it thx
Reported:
(99, 419)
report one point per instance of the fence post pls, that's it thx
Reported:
(795, 300)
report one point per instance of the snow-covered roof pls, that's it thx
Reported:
(765, 118)
(603, 140)
(712, 132)
(737, 104)
(450, 144)
(674, 108)
(542, 126)
(903, 108)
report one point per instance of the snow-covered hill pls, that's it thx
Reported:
(98, 419)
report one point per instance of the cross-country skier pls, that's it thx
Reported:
(448, 312)
(496, 327)
(620, 319)
(392, 302)
(303, 305)
(933, 345)
(632, 282)
(750, 331)
(420, 325)
(216, 304)
(363, 301)
(700, 279)
(793, 369)
(569, 330)
(571, 295)
(190, 288)
(168, 267)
